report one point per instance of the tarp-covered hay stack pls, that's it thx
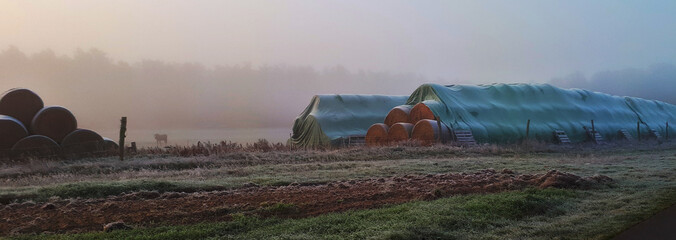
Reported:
(495, 113)
(329, 119)
(498, 113)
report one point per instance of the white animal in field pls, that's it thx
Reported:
(161, 138)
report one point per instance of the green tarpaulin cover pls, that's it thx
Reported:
(499, 112)
(495, 113)
(329, 118)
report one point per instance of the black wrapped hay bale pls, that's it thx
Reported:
(54, 122)
(109, 144)
(36, 145)
(81, 141)
(20, 103)
(11, 131)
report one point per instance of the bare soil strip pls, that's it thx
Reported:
(293, 201)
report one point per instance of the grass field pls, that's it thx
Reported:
(644, 183)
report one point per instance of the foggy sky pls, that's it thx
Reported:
(210, 57)
(466, 41)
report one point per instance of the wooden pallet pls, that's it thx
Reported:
(356, 140)
(594, 136)
(561, 137)
(464, 137)
(655, 134)
(624, 134)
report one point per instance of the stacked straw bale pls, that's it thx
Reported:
(397, 114)
(36, 145)
(377, 135)
(27, 127)
(420, 112)
(400, 132)
(428, 132)
(11, 131)
(54, 122)
(404, 123)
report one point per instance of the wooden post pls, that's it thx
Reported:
(667, 135)
(123, 131)
(527, 129)
(638, 130)
(439, 127)
(593, 129)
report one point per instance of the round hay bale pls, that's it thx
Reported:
(398, 114)
(54, 122)
(81, 141)
(109, 144)
(36, 145)
(427, 132)
(11, 131)
(400, 132)
(419, 112)
(20, 103)
(376, 135)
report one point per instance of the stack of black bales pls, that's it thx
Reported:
(27, 127)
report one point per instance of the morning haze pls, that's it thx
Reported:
(227, 64)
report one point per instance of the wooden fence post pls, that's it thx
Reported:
(638, 130)
(667, 137)
(527, 129)
(439, 127)
(123, 131)
(593, 129)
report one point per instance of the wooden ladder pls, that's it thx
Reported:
(464, 137)
(561, 137)
(624, 134)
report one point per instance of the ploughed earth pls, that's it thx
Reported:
(294, 201)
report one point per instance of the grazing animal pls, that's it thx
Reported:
(161, 138)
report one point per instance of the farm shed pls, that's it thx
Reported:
(499, 113)
(331, 118)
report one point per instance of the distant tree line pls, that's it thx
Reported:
(655, 82)
(157, 94)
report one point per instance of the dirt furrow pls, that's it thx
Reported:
(293, 201)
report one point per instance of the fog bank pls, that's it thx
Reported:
(162, 95)
(655, 82)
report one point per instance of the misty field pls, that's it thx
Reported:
(397, 192)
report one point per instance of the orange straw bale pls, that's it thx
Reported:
(428, 132)
(376, 135)
(400, 132)
(419, 112)
(398, 114)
